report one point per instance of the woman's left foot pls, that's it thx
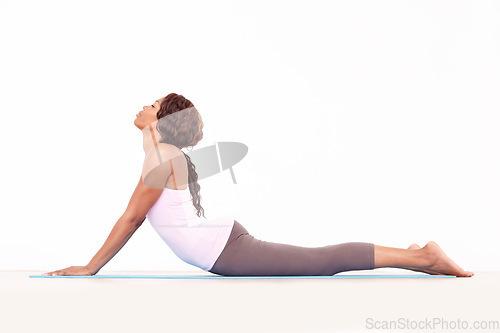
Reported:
(443, 263)
(415, 246)
(457, 271)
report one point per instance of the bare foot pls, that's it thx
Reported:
(440, 263)
(415, 246)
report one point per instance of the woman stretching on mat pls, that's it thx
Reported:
(168, 194)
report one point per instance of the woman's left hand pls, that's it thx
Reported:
(72, 270)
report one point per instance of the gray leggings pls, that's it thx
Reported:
(245, 255)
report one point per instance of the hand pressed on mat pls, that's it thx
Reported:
(72, 270)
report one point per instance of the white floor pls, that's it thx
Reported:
(235, 305)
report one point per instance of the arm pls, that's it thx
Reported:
(120, 234)
(153, 179)
(155, 174)
(141, 202)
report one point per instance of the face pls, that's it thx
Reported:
(148, 114)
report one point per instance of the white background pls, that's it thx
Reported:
(370, 121)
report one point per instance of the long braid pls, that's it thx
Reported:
(194, 187)
(182, 129)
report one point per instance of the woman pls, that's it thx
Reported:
(222, 245)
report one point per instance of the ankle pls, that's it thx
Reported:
(426, 256)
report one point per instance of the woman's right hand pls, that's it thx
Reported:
(72, 270)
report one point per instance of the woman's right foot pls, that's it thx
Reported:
(440, 263)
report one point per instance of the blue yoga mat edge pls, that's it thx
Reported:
(370, 276)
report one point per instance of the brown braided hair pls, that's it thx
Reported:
(182, 129)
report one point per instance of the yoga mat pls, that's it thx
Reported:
(372, 276)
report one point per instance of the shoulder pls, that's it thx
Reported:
(169, 151)
(164, 149)
(163, 154)
(167, 147)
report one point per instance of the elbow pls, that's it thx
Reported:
(133, 220)
(140, 221)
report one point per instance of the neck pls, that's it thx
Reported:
(151, 137)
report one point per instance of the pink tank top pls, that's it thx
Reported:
(195, 240)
